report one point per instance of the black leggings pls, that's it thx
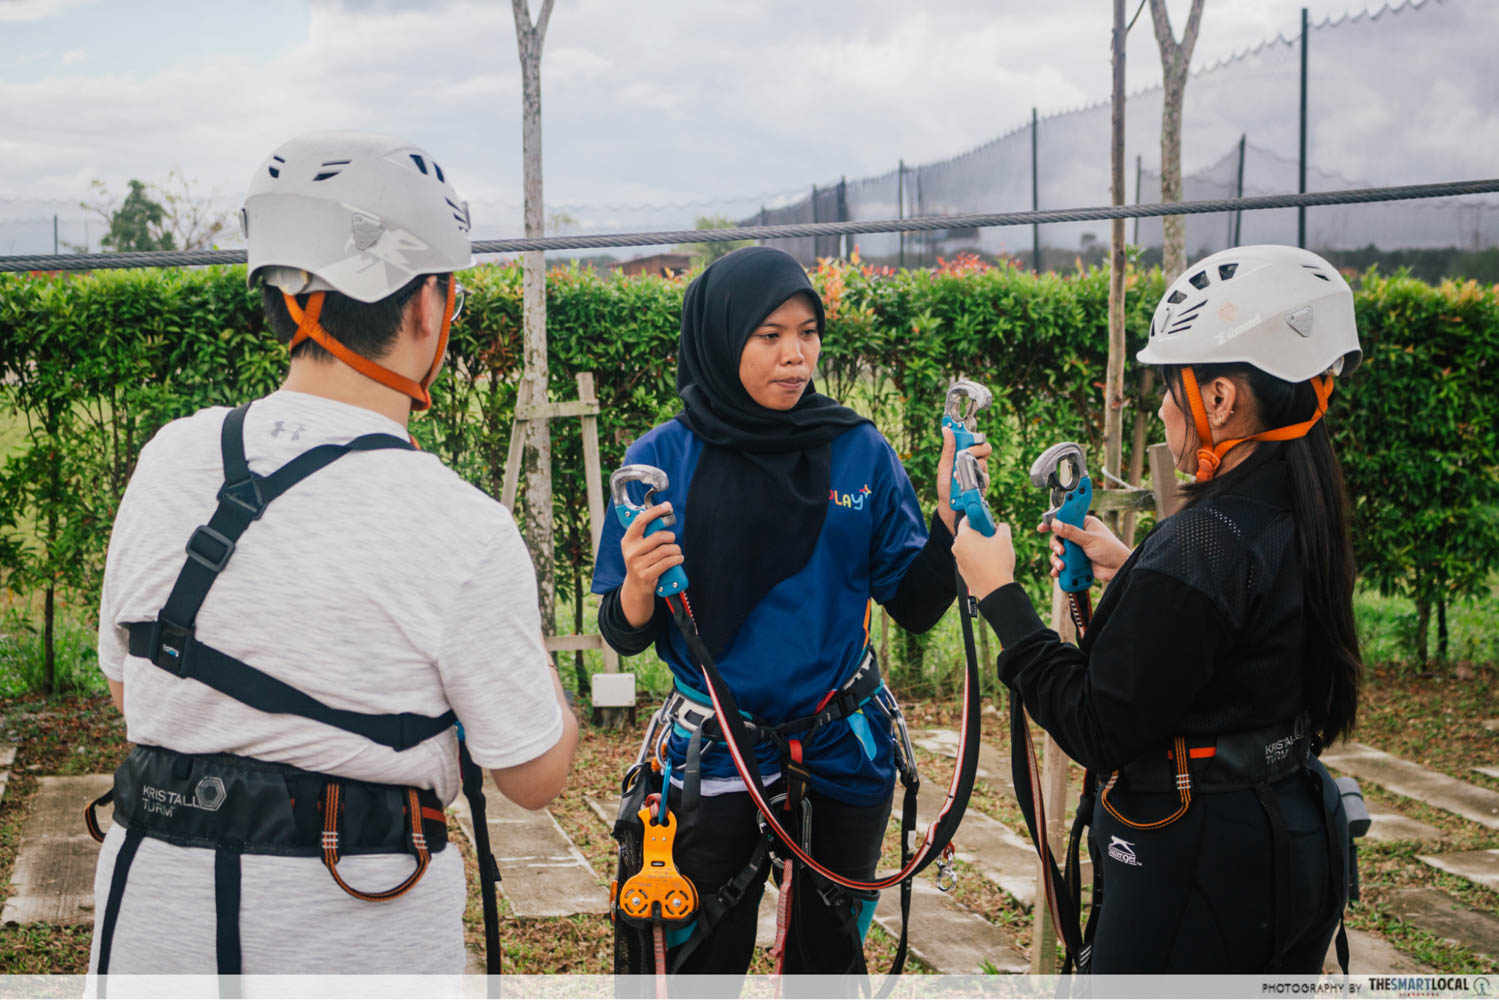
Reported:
(1197, 896)
(714, 843)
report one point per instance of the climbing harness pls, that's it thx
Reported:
(713, 714)
(1252, 759)
(239, 805)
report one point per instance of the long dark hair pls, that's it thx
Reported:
(1320, 507)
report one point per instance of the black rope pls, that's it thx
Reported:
(927, 223)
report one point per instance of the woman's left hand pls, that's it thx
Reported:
(944, 475)
(987, 563)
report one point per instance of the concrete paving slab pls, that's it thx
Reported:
(1492, 725)
(1005, 857)
(1481, 805)
(1370, 956)
(994, 767)
(7, 758)
(1488, 772)
(1481, 867)
(949, 938)
(1438, 913)
(53, 880)
(542, 873)
(1393, 826)
(765, 926)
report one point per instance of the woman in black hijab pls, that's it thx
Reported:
(797, 516)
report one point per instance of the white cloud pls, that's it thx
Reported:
(74, 56)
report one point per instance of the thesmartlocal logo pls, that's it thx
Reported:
(1432, 986)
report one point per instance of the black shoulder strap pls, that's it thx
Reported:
(170, 642)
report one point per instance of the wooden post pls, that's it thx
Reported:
(1168, 497)
(1054, 794)
(587, 408)
(1113, 405)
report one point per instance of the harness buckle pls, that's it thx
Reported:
(213, 561)
(171, 646)
(245, 494)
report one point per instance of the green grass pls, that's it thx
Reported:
(75, 658)
(1387, 627)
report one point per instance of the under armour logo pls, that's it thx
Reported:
(281, 426)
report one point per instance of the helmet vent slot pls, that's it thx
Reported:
(1184, 322)
(1313, 268)
(421, 164)
(1177, 297)
(438, 171)
(1199, 280)
(323, 175)
(274, 172)
(1226, 271)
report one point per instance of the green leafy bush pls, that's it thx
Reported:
(91, 365)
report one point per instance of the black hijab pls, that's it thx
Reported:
(760, 490)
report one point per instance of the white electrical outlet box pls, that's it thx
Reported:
(613, 690)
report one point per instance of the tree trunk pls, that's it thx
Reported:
(1144, 406)
(1176, 59)
(1442, 628)
(1423, 628)
(536, 457)
(1113, 414)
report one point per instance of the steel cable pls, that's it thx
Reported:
(189, 258)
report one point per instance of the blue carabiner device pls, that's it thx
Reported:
(965, 398)
(674, 580)
(970, 482)
(1062, 470)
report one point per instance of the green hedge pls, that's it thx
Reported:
(93, 364)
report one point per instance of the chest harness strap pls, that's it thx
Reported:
(321, 815)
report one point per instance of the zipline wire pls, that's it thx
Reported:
(928, 223)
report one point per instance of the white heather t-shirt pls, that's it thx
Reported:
(381, 583)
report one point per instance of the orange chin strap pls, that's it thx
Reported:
(1210, 455)
(308, 328)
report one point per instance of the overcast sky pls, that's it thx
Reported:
(644, 101)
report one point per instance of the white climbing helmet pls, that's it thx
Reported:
(1281, 309)
(353, 212)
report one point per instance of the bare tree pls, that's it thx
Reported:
(1176, 59)
(536, 459)
(174, 215)
(1113, 414)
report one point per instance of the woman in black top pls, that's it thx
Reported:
(1226, 639)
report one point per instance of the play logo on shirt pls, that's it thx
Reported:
(853, 501)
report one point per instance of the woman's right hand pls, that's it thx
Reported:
(646, 558)
(1102, 547)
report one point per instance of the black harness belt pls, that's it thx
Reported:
(238, 805)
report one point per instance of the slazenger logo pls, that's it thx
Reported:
(208, 796)
(1123, 851)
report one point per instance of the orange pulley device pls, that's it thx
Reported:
(658, 892)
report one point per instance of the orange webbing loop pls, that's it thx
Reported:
(91, 818)
(332, 792)
(308, 328)
(1183, 791)
(1210, 455)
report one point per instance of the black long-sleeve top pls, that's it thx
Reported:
(1200, 633)
(925, 591)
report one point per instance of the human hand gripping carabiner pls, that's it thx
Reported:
(1063, 470)
(969, 480)
(674, 580)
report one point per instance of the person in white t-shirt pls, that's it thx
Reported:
(292, 680)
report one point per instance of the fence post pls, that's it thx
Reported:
(843, 214)
(900, 206)
(54, 233)
(1301, 168)
(1238, 193)
(1035, 195)
(1139, 172)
